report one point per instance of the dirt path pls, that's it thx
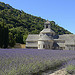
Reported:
(58, 72)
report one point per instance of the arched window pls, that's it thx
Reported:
(46, 26)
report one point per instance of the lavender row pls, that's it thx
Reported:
(13, 59)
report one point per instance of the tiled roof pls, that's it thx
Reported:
(47, 30)
(69, 38)
(61, 44)
(47, 22)
(32, 37)
(45, 37)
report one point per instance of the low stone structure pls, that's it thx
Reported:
(18, 45)
(47, 39)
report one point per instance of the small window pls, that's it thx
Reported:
(46, 26)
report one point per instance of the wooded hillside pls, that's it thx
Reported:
(20, 24)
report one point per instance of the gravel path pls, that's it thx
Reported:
(58, 72)
(61, 72)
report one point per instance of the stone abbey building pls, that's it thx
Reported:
(47, 39)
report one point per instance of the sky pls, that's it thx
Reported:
(60, 11)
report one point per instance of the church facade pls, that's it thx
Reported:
(47, 39)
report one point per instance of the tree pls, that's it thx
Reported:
(4, 37)
(12, 41)
(1, 36)
(24, 38)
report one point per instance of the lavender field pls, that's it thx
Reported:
(32, 61)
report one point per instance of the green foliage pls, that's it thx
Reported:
(70, 69)
(20, 22)
(24, 38)
(58, 30)
(4, 37)
(11, 40)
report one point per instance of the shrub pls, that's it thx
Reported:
(70, 69)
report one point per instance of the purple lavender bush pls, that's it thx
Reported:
(32, 61)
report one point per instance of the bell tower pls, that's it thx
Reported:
(47, 25)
